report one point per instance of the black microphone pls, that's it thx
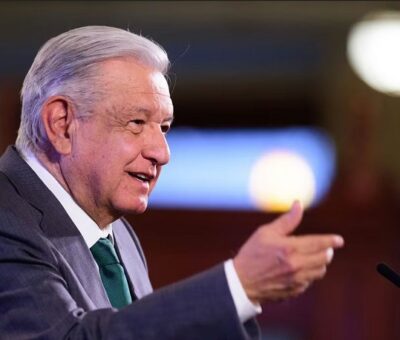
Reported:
(389, 273)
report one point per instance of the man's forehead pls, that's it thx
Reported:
(130, 73)
(133, 87)
(160, 83)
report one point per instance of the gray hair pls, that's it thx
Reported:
(66, 65)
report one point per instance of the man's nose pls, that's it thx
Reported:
(156, 147)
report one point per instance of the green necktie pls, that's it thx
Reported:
(112, 273)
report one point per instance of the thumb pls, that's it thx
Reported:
(287, 223)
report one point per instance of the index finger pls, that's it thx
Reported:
(315, 243)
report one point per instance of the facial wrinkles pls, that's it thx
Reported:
(130, 90)
(114, 117)
(152, 110)
(153, 84)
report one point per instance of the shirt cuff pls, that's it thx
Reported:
(244, 307)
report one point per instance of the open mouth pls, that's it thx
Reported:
(141, 177)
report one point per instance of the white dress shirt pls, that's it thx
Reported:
(91, 233)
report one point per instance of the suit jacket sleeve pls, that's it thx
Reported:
(41, 299)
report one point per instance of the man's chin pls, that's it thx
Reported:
(134, 209)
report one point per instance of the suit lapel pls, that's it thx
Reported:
(70, 243)
(56, 224)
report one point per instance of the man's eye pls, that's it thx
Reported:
(136, 125)
(165, 128)
(138, 121)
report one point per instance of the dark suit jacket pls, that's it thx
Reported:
(50, 287)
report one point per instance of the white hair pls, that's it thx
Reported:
(66, 65)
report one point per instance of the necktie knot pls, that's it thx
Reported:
(104, 252)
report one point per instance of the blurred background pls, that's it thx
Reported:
(251, 81)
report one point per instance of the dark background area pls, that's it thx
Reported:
(257, 64)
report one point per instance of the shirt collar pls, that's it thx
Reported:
(90, 231)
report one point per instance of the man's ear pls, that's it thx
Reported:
(58, 120)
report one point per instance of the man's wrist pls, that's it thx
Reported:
(244, 307)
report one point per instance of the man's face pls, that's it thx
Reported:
(117, 153)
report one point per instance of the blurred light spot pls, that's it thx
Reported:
(280, 177)
(374, 51)
(211, 169)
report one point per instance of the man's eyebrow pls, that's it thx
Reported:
(138, 109)
(169, 119)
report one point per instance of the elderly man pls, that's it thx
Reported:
(96, 109)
